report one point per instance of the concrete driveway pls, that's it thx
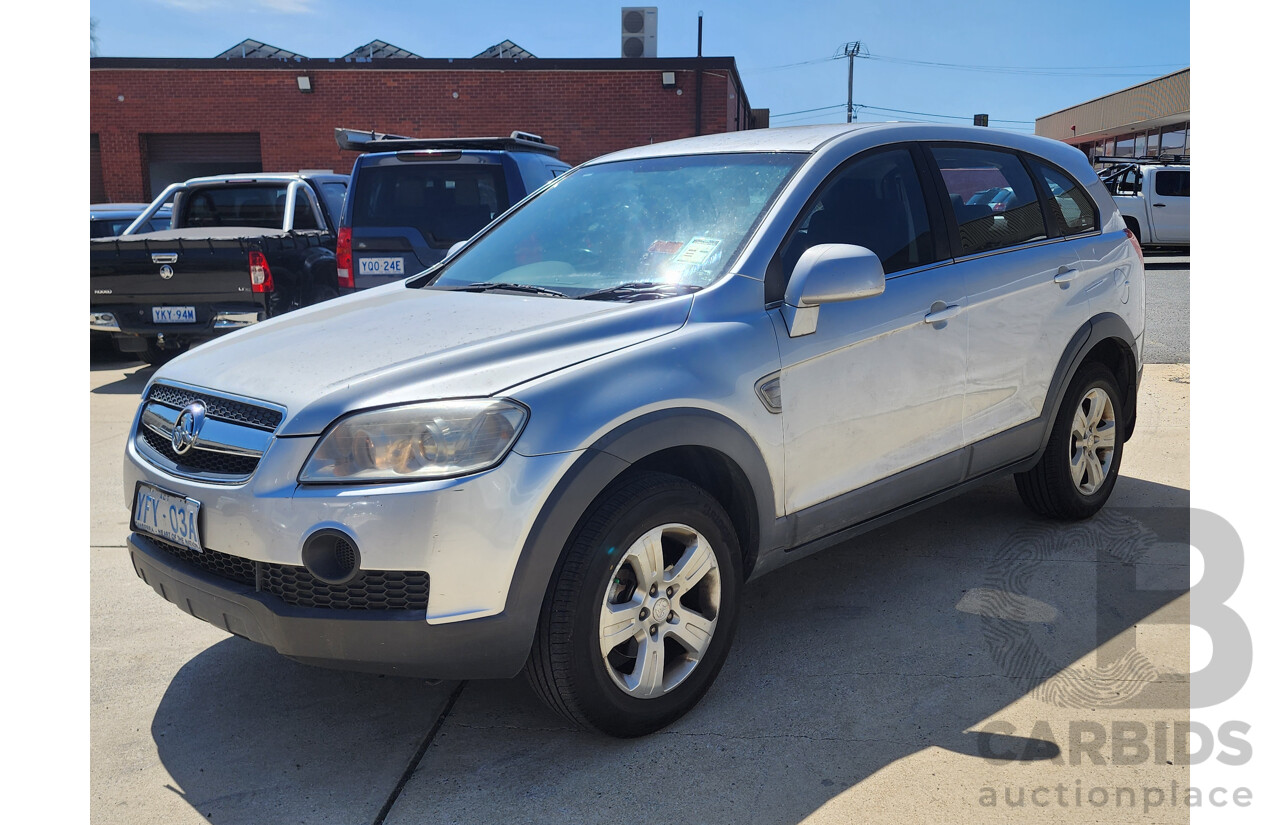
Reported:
(967, 654)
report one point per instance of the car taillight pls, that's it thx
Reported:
(345, 276)
(1137, 247)
(260, 273)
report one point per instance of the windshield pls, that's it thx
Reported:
(675, 222)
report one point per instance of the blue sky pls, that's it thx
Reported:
(1060, 53)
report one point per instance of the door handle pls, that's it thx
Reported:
(1066, 275)
(944, 314)
(1158, 205)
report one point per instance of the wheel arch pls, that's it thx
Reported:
(1107, 339)
(701, 446)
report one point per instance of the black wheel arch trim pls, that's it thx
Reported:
(1099, 328)
(598, 467)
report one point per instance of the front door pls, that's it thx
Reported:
(876, 389)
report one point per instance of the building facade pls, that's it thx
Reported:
(155, 121)
(1149, 119)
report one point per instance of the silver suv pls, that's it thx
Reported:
(563, 449)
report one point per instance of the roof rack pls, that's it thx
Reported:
(357, 140)
(1169, 160)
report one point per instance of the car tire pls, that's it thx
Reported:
(652, 575)
(1081, 462)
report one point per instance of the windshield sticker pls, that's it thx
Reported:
(696, 252)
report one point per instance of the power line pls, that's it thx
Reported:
(886, 109)
(1040, 71)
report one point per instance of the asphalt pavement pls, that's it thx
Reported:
(1168, 336)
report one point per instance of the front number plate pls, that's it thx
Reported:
(173, 315)
(382, 266)
(174, 518)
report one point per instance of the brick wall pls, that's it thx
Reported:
(585, 112)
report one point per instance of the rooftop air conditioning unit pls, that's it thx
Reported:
(639, 31)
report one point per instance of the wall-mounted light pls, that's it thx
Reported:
(304, 84)
(668, 80)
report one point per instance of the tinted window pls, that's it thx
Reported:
(446, 203)
(1173, 184)
(236, 206)
(334, 193)
(304, 217)
(108, 227)
(1070, 208)
(157, 224)
(875, 202)
(1014, 220)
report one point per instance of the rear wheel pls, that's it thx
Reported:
(1081, 462)
(642, 612)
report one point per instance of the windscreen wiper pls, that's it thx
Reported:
(486, 286)
(639, 291)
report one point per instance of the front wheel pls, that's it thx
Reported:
(642, 612)
(1081, 462)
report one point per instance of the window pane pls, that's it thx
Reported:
(1140, 145)
(877, 202)
(1124, 147)
(993, 199)
(1072, 208)
(303, 216)
(334, 193)
(1173, 141)
(1173, 184)
(447, 203)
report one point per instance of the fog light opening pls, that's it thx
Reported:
(331, 556)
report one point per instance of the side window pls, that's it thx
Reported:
(875, 202)
(1173, 184)
(992, 196)
(304, 217)
(334, 193)
(1072, 210)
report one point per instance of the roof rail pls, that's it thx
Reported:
(357, 140)
(1170, 160)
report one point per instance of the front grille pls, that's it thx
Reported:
(200, 461)
(370, 590)
(215, 407)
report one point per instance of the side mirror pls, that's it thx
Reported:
(826, 274)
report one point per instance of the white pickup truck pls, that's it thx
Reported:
(1154, 196)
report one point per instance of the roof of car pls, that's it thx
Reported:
(811, 139)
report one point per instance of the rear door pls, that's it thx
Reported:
(1028, 277)
(406, 210)
(1170, 199)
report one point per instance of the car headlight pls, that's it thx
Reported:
(435, 439)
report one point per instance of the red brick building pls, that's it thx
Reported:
(156, 120)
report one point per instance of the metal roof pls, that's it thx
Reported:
(505, 49)
(256, 49)
(379, 50)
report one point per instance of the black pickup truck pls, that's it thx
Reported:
(243, 248)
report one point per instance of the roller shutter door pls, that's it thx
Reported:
(173, 158)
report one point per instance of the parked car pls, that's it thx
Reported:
(106, 220)
(994, 198)
(241, 248)
(565, 448)
(1153, 196)
(412, 199)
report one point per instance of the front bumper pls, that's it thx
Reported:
(399, 643)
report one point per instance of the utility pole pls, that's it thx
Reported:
(851, 51)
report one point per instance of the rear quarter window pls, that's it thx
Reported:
(1070, 207)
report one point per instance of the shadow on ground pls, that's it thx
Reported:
(904, 639)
